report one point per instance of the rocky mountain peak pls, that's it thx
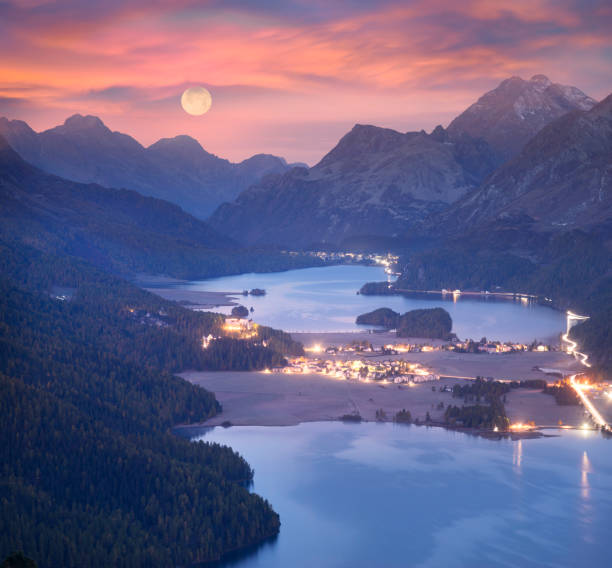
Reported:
(18, 126)
(185, 153)
(541, 81)
(511, 114)
(363, 139)
(559, 180)
(438, 133)
(20, 136)
(265, 160)
(182, 145)
(78, 123)
(604, 108)
(181, 141)
(260, 165)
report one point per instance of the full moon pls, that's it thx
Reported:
(196, 101)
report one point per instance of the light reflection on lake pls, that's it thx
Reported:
(389, 495)
(325, 299)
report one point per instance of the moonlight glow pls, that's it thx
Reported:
(196, 101)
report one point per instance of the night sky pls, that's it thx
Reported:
(287, 78)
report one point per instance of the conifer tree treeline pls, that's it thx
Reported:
(91, 474)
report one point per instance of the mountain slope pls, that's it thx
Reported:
(176, 169)
(381, 183)
(375, 181)
(541, 224)
(120, 231)
(511, 114)
(562, 179)
(116, 229)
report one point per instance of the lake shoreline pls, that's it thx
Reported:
(532, 434)
(279, 399)
(326, 299)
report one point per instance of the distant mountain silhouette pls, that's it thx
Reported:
(118, 230)
(176, 169)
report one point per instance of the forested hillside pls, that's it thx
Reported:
(572, 269)
(91, 474)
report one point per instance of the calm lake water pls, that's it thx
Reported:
(390, 495)
(325, 299)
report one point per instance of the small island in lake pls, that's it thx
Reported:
(434, 323)
(377, 289)
(254, 292)
(240, 311)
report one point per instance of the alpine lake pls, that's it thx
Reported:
(326, 300)
(390, 495)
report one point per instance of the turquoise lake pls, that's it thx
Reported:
(385, 495)
(325, 299)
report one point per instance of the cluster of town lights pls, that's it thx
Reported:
(580, 388)
(521, 426)
(412, 372)
(383, 372)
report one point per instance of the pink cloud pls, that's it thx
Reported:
(274, 71)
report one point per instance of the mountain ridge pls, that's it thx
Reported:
(378, 181)
(560, 180)
(512, 113)
(374, 178)
(178, 169)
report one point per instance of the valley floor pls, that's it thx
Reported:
(258, 399)
(277, 399)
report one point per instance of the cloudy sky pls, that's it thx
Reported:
(287, 77)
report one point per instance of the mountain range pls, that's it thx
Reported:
(515, 194)
(118, 230)
(178, 169)
(377, 181)
(99, 224)
(561, 179)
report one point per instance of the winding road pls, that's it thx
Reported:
(582, 358)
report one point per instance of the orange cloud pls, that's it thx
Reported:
(271, 69)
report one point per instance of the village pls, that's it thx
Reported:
(390, 371)
(373, 360)
(244, 328)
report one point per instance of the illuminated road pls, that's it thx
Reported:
(583, 359)
(597, 418)
(468, 293)
(572, 345)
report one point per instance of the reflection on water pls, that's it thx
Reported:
(388, 495)
(585, 509)
(517, 457)
(584, 481)
(326, 299)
